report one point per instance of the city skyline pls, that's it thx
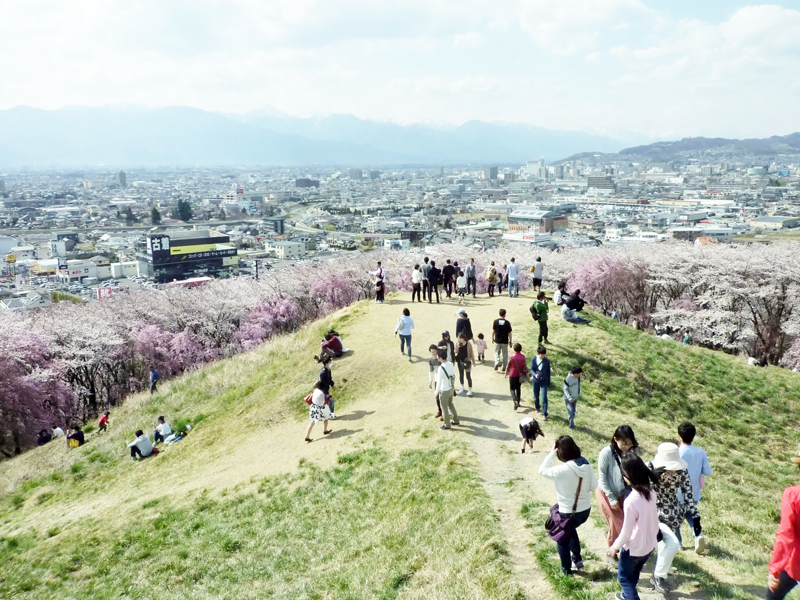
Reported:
(605, 66)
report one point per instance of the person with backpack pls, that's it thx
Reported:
(639, 533)
(572, 392)
(433, 282)
(154, 377)
(611, 492)
(540, 373)
(516, 372)
(471, 272)
(445, 389)
(491, 279)
(426, 268)
(575, 481)
(539, 310)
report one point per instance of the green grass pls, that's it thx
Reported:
(745, 416)
(414, 525)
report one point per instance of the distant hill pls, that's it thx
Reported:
(772, 145)
(189, 136)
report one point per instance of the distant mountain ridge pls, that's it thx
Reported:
(775, 144)
(113, 135)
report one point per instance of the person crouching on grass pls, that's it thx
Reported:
(530, 430)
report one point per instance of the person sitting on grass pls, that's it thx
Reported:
(76, 435)
(44, 437)
(530, 430)
(141, 447)
(163, 430)
(332, 346)
(102, 424)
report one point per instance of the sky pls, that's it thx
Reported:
(661, 68)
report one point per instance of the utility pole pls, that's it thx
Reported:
(256, 263)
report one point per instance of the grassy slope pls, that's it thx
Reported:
(746, 420)
(382, 522)
(375, 524)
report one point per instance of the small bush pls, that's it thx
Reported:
(44, 497)
(17, 501)
(151, 503)
(88, 428)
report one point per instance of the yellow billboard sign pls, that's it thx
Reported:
(11, 258)
(191, 249)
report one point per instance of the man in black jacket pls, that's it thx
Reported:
(433, 282)
(448, 274)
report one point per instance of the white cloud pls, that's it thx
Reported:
(467, 40)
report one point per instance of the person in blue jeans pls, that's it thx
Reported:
(572, 392)
(575, 483)
(540, 372)
(639, 534)
(404, 326)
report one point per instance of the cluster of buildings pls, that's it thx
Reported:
(82, 228)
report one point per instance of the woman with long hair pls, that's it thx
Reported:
(639, 534)
(612, 490)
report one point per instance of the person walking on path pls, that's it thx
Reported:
(404, 326)
(672, 475)
(513, 279)
(699, 468)
(517, 371)
(784, 568)
(491, 279)
(433, 366)
(461, 286)
(471, 273)
(502, 278)
(416, 284)
(540, 374)
(572, 393)
(538, 272)
(480, 346)
(426, 267)
(433, 282)
(573, 479)
(448, 346)
(639, 533)
(612, 490)
(326, 379)
(539, 310)
(465, 359)
(463, 324)
(154, 377)
(530, 430)
(445, 379)
(318, 411)
(448, 276)
(501, 338)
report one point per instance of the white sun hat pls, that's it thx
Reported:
(669, 457)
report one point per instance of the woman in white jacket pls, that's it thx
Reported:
(575, 470)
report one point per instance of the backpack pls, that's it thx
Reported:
(534, 312)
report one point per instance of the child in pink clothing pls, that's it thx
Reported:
(481, 347)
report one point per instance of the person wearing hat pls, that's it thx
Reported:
(463, 324)
(673, 476)
(784, 568)
(447, 345)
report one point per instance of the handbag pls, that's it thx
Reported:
(308, 398)
(558, 526)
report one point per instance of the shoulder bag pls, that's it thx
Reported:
(558, 526)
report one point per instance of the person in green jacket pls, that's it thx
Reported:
(539, 313)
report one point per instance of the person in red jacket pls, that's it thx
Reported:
(784, 568)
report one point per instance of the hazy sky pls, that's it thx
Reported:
(664, 68)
